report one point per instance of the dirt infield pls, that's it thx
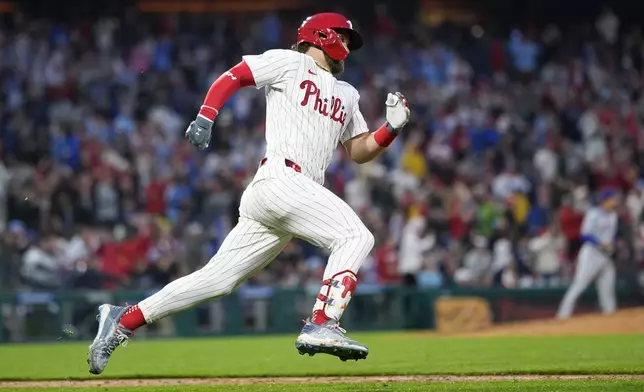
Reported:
(299, 380)
(626, 321)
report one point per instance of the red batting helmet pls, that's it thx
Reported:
(322, 30)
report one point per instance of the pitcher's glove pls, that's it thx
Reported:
(397, 111)
(608, 250)
(199, 132)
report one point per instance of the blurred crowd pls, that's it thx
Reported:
(511, 136)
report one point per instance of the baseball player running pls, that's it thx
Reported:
(594, 262)
(308, 112)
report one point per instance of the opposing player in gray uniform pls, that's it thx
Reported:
(594, 262)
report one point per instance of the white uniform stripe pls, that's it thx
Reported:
(248, 247)
(308, 214)
(311, 215)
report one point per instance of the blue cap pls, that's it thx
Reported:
(16, 226)
(606, 193)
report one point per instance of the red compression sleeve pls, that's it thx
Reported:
(224, 87)
(385, 135)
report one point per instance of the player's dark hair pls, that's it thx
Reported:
(302, 47)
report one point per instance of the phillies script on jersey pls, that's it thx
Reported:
(333, 108)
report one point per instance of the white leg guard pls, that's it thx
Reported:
(335, 295)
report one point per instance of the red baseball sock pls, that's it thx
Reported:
(133, 318)
(319, 317)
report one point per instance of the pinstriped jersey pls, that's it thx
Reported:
(308, 111)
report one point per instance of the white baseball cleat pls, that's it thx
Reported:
(110, 335)
(328, 338)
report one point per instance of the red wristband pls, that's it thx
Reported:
(385, 135)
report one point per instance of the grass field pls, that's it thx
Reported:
(140, 365)
(391, 354)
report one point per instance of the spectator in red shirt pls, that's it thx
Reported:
(155, 195)
(570, 221)
(387, 263)
(385, 24)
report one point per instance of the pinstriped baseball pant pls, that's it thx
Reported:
(278, 205)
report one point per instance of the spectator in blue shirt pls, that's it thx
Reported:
(177, 198)
(66, 148)
(524, 53)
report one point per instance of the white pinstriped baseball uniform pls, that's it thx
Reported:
(308, 112)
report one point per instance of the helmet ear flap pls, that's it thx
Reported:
(327, 39)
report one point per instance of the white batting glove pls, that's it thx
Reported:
(397, 110)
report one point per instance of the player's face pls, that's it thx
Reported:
(345, 38)
(611, 203)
